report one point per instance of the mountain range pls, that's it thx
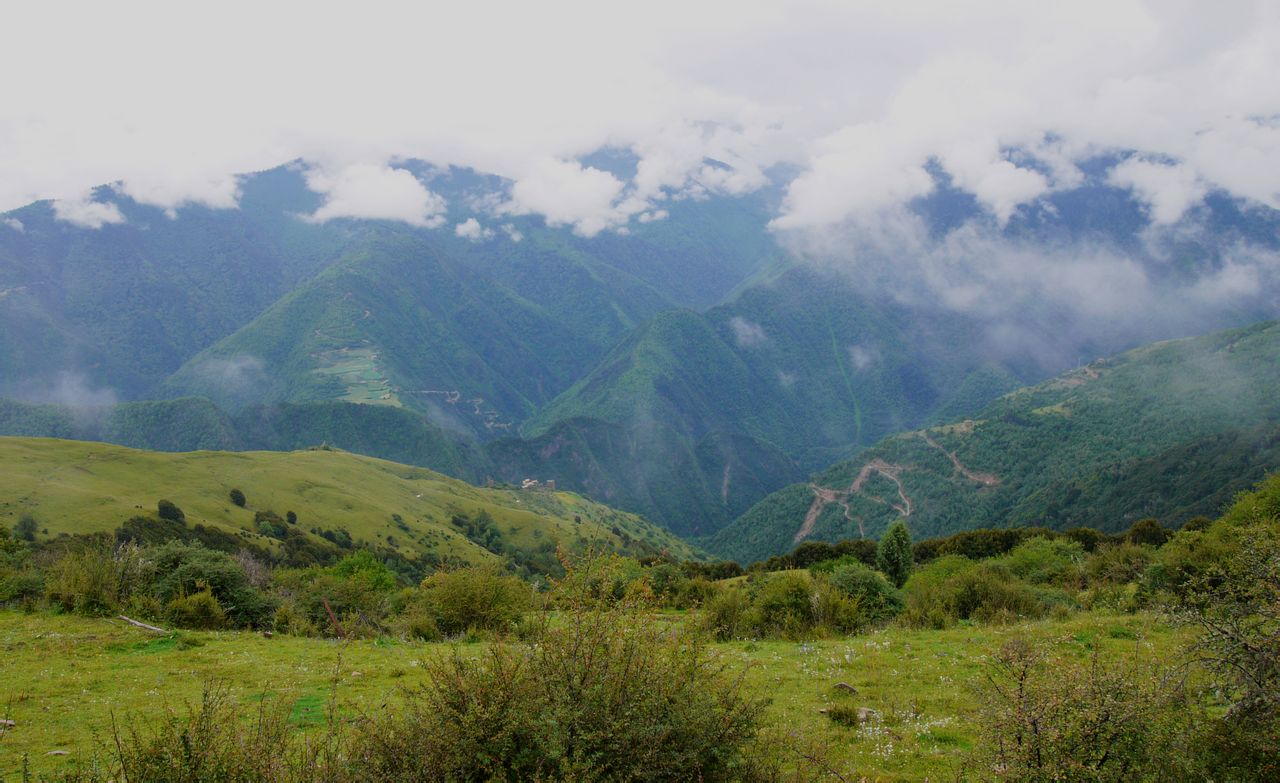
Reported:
(683, 369)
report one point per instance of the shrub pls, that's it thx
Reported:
(894, 555)
(1042, 560)
(96, 577)
(197, 610)
(166, 509)
(182, 569)
(725, 615)
(601, 693)
(1054, 719)
(1148, 531)
(877, 599)
(1117, 564)
(26, 527)
(956, 588)
(480, 597)
(237, 497)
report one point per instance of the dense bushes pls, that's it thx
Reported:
(602, 692)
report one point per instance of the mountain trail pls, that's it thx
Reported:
(824, 496)
(985, 479)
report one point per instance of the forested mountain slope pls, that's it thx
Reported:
(1169, 430)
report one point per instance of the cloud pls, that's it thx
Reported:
(568, 193)
(14, 224)
(746, 333)
(1168, 190)
(375, 192)
(863, 356)
(472, 230)
(84, 212)
(512, 232)
(855, 101)
(75, 391)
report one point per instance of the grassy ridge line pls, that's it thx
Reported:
(80, 487)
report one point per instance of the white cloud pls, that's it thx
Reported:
(472, 230)
(14, 224)
(746, 333)
(1167, 190)
(84, 212)
(512, 232)
(568, 193)
(375, 192)
(863, 356)
(858, 97)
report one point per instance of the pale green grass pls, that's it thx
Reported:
(78, 487)
(63, 677)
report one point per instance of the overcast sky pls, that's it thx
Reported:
(171, 102)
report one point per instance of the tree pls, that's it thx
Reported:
(237, 497)
(167, 510)
(893, 557)
(26, 528)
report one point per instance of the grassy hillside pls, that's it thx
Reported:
(1169, 430)
(76, 487)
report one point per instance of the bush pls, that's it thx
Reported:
(956, 588)
(198, 610)
(894, 555)
(1149, 532)
(481, 597)
(877, 600)
(1117, 564)
(237, 497)
(96, 577)
(1054, 719)
(166, 509)
(183, 569)
(1042, 560)
(602, 693)
(725, 615)
(25, 529)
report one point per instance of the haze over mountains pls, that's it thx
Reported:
(682, 369)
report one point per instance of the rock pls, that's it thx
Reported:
(267, 634)
(8, 723)
(866, 715)
(58, 753)
(844, 686)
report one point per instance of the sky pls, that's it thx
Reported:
(170, 103)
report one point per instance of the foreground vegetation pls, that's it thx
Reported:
(1039, 658)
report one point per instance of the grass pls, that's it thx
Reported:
(78, 487)
(65, 676)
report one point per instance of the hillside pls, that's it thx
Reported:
(1169, 430)
(75, 487)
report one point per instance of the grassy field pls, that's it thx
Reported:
(64, 677)
(79, 487)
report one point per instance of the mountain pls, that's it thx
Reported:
(74, 487)
(1169, 430)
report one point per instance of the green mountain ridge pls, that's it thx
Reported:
(1169, 430)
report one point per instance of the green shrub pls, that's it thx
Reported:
(1117, 564)
(955, 588)
(237, 497)
(26, 527)
(96, 578)
(1055, 719)
(603, 692)
(197, 610)
(166, 509)
(183, 569)
(481, 597)
(1042, 560)
(877, 599)
(894, 555)
(725, 615)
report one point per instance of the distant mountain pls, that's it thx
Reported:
(72, 487)
(1169, 430)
